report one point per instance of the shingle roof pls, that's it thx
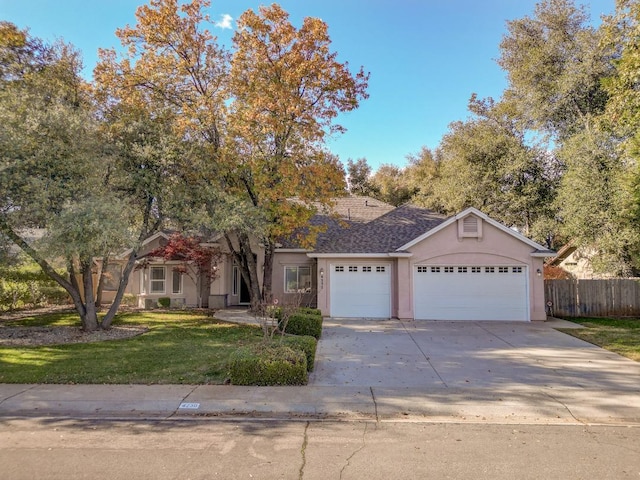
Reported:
(383, 235)
(347, 212)
(358, 209)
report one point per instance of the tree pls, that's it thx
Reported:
(554, 67)
(422, 174)
(359, 178)
(199, 262)
(59, 171)
(287, 89)
(256, 121)
(390, 185)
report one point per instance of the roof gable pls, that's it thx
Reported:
(474, 211)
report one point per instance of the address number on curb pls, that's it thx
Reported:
(193, 406)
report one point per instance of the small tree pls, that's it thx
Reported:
(200, 262)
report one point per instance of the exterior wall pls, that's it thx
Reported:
(495, 247)
(291, 259)
(580, 267)
(188, 297)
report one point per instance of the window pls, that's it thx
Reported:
(435, 269)
(448, 269)
(353, 268)
(158, 278)
(366, 269)
(516, 269)
(476, 269)
(503, 269)
(381, 269)
(462, 269)
(339, 268)
(176, 284)
(235, 287)
(422, 269)
(489, 270)
(297, 279)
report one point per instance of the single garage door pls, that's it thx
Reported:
(471, 293)
(359, 290)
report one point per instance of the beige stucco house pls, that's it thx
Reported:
(377, 261)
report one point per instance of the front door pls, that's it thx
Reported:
(245, 295)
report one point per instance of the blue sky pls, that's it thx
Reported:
(426, 57)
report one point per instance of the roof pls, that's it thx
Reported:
(562, 254)
(346, 213)
(385, 234)
(357, 209)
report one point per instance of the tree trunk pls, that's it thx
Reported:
(90, 317)
(248, 266)
(267, 275)
(124, 280)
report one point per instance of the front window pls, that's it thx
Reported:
(158, 277)
(297, 279)
(176, 282)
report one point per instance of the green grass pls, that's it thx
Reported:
(621, 336)
(179, 348)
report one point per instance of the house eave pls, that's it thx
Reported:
(291, 250)
(348, 255)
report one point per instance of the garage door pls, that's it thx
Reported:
(471, 293)
(360, 290)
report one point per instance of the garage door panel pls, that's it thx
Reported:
(487, 294)
(365, 291)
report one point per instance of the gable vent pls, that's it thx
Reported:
(470, 225)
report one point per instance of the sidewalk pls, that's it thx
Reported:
(523, 405)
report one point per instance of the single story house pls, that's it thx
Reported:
(377, 261)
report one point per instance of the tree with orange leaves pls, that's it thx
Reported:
(258, 117)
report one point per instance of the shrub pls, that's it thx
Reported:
(304, 324)
(309, 311)
(129, 300)
(306, 344)
(164, 302)
(268, 364)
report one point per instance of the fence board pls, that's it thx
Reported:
(612, 297)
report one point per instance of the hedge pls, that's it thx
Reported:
(309, 311)
(303, 324)
(306, 344)
(268, 364)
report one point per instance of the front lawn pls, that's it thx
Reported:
(621, 336)
(179, 347)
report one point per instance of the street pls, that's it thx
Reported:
(42, 448)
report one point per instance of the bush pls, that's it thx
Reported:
(164, 302)
(306, 344)
(268, 364)
(129, 300)
(303, 324)
(309, 311)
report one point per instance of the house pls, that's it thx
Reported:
(378, 261)
(576, 262)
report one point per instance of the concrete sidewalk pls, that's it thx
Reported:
(518, 405)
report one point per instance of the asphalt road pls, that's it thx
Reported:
(39, 448)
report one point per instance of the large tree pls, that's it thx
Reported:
(258, 119)
(63, 169)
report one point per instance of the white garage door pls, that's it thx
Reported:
(471, 293)
(358, 290)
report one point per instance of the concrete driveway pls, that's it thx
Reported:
(427, 355)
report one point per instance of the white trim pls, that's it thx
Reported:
(543, 254)
(483, 216)
(291, 250)
(401, 254)
(151, 280)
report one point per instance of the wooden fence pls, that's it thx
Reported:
(616, 297)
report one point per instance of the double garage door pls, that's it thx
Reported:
(470, 293)
(440, 292)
